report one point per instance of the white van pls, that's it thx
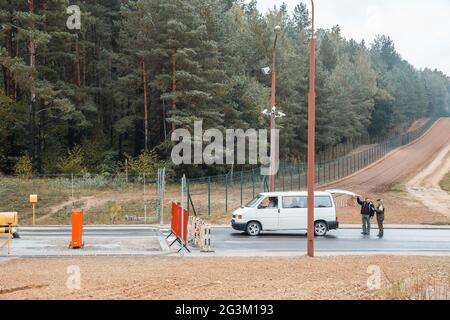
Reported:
(273, 211)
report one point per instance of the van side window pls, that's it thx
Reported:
(294, 202)
(322, 202)
(269, 203)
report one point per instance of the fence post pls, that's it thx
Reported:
(339, 168)
(253, 182)
(324, 171)
(209, 196)
(299, 177)
(354, 162)
(126, 170)
(329, 170)
(290, 175)
(226, 193)
(318, 172)
(73, 199)
(163, 194)
(334, 169)
(145, 202)
(188, 192)
(183, 243)
(346, 162)
(241, 185)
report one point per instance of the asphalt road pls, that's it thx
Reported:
(228, 241)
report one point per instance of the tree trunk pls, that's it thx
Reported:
(42, 116)
(9, 84)
(32, 108)
(174, 88)
(77, 81)
(145, 82)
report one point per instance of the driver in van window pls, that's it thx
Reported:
(270, 203)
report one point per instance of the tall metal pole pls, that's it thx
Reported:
(183, 243)
(311, 138)
(272, 117)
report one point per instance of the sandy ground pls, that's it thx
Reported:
(425, 186)
(90, 202)
(226, 278)
(387, 179)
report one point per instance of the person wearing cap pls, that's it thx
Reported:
(380, 217)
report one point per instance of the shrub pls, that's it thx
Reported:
(146, 163)
(73, 162)
(24, 167)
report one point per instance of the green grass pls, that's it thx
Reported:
(445, 183)
(399, 187)
(440, 223)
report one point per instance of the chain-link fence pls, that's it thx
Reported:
(105, 199)
(133, 199)
(216, 196)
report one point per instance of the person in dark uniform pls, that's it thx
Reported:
(380, 217)
(367, 212)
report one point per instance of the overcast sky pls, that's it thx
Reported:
(420, 29)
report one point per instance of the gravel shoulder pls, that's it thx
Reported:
(343, 277)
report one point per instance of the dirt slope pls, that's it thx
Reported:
(387, 178)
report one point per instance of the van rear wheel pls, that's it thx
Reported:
(253, 228)
(320, 228)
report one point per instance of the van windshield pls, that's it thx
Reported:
(254, 201)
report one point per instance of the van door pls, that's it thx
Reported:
(267, 213)
(324, 208)
(293, 213)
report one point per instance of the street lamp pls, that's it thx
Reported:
(273, 114)
(311, 137)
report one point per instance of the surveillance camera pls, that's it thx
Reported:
(266, 70)
(277, 29)
(265, 112)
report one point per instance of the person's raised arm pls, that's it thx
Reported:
(359, 201)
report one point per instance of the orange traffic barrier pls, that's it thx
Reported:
(179, 225)
(77, 229)
(177, 221)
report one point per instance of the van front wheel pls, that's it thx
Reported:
(320, 228)
(253, 228)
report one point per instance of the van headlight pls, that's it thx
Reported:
(238, 216)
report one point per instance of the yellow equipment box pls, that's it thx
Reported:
(33, 198)
(9, 218)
